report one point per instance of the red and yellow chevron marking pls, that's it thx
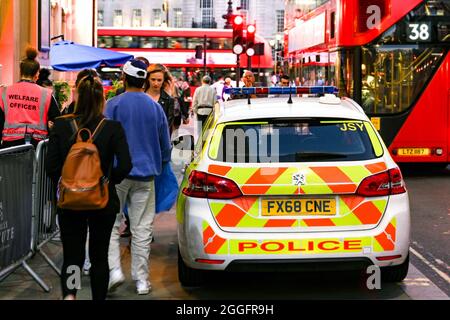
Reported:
(319, 180)
(243, 212)
(385, 241)
(213, 244)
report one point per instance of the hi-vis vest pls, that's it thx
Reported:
(25, 106)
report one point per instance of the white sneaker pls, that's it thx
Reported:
(143, 287)
(116, 278)
(86, 267)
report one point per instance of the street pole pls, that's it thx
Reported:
(238, 71)
(167, 14)
(204, 55)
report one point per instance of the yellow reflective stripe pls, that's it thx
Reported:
(380, 204)
(251, 222)
(216, 207)
(316, 189)
(314, 183)
(274, 189)
(394, 222)
(340, 121)
(343, 208)
(355, 173)
(347, 220)
(254, 210)
(215, 142)
(241, 175)
(376, 246)
(302, 223)
(205, 225)
(374, 139)
(286, 177)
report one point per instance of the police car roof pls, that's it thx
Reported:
(301, 107)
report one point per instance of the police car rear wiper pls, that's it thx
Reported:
(321, 155)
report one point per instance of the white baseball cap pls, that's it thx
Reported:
(135, 68)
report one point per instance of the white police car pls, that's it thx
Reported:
(292, 182)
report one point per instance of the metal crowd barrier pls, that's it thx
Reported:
(17, 174)
(45, 227)
(27, 209)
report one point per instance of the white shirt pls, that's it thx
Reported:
(218, 86)
(204, 96)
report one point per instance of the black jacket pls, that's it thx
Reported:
(111, 141)
(168, 105)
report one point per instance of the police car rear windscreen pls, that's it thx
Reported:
(300, 140)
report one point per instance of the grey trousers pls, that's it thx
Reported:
(139, 197)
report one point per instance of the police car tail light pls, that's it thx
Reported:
(382, 184)
(397, 183)
(204, 185)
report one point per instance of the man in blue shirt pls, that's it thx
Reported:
(148, 138)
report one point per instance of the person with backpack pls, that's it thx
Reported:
(145, 125)
(81, 152)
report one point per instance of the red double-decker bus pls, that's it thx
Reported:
(176, 48)
(392, 57)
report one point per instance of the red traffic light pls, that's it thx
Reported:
(251, 28)
(238, 20)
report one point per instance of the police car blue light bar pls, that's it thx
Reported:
(283, 90)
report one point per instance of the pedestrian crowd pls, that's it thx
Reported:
(124, 144)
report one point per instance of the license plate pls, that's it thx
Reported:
(298, 207)
(414, 152)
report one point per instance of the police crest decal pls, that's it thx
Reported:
(299, 179)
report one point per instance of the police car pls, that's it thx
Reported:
(291, 183)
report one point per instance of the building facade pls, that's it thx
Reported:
(34, 23)
(267, 14)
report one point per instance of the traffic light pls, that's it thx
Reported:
(238, 34)
(251, 30)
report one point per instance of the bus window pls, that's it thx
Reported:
(219, 44)
(126, 42)
(153, 42)
(397, 66)
(392, 78)
(176, 43)
(105, 42)
(193, 42)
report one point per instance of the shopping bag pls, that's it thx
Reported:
(166, 189)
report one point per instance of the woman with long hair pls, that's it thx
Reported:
(111, 143)
(159, 87)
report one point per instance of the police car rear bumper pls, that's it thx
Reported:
(203, 245)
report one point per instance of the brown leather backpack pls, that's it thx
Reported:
(82, 185)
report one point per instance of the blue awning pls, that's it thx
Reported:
(69, 56)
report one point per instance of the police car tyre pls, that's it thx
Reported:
(395, 273)
(189, 277)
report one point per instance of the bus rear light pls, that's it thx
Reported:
(387, 258)
(209, 261)
(204, 185)
(438, 151)
(382, 184)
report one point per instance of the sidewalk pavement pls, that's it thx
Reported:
(163, 270)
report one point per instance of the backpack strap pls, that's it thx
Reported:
(98, 129)
(74, 125)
